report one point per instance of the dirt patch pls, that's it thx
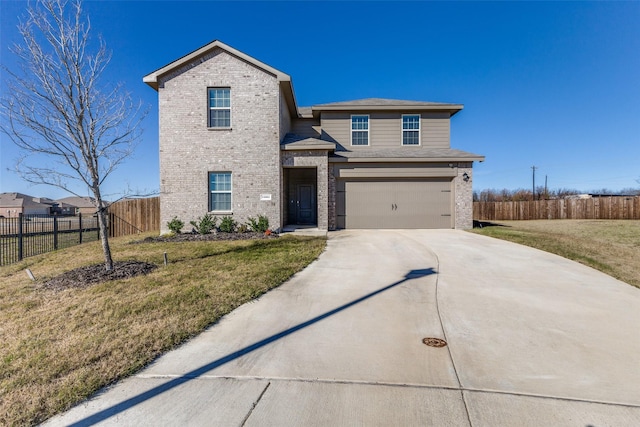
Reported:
(90, 275)
(194, 237)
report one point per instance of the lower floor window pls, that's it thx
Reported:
(220, 191)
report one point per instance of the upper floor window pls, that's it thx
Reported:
(410, 129)
(220, 191)
(219, 107)
(359, 130)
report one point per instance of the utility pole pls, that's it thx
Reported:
(546, 190)
(533, 188)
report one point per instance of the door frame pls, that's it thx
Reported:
(295, 179)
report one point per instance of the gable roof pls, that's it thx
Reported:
(376, 104)
(152, 79)
(384, 102)
(79, 202)
(296, 142)
(17, 200)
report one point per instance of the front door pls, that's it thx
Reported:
(305, 204)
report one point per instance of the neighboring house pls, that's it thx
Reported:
(233, 141)
(75, 205)
(13, 204)
(65, 209)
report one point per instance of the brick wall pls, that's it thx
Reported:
(189, 150)
(317, 159)
(464, 197)
(333, 221)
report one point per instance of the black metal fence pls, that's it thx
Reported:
(29, 235)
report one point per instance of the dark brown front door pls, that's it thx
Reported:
(305, 204)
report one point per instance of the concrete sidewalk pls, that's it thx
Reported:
(533, 339)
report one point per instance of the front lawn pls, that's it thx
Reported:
(61, 346)
(611, 246)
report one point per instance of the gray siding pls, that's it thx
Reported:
(335, 128)
(189, 150)
(309, 128)
(285, 117)
(385, 129)
(394, 170)
(435, 130)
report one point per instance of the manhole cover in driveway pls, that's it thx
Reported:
(434, 342)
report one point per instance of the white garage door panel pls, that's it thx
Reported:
(398, 204)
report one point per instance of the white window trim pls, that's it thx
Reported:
(210, 192)
(351, 130)
(402, 130)
(218, 108)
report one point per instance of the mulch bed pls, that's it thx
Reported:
(195, 237)
(90, 275)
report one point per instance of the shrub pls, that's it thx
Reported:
(227, 225)
(205, 224)
(175, 225)
(243, 228)
(260, 225)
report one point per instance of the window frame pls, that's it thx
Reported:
(223, 108)
(367, 130)
(211, 192)
(403, 130)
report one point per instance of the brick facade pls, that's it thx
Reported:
(250, 150)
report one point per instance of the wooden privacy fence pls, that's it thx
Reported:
(614, 207)
(134, 216)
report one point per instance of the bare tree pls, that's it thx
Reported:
(69, 126)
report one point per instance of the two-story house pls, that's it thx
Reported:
(233, 141)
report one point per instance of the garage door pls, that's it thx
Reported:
(424, 203)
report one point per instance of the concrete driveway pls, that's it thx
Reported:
(533, 339)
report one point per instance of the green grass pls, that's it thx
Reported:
(60, 347)
(611, 246)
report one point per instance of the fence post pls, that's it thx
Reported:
(20, 242)
(55, 233)
(80, 228)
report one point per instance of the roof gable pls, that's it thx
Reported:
(296, 142)
(152, 79)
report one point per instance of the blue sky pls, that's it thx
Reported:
(550, 84)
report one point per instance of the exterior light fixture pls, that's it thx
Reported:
(465, 177)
